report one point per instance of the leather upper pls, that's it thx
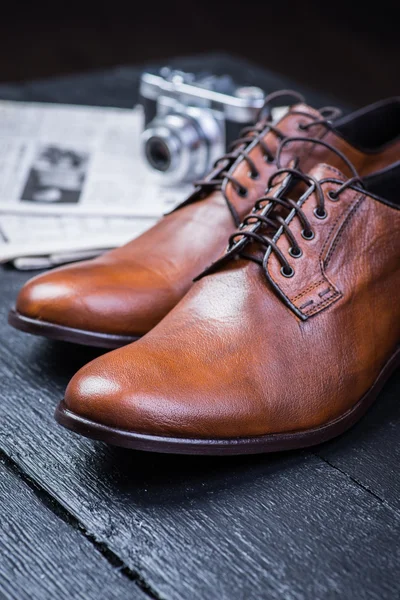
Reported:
(235, 359)
(129, 290)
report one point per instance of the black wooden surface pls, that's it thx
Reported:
(79, 519)
(45, 556)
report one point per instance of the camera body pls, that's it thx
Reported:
(190, 121)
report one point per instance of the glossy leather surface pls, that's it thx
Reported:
(129, 290)
(233, 359)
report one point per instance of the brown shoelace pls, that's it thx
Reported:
(275, 223)
(251, 136)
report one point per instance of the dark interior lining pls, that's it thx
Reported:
(372, 128)
(385, 184)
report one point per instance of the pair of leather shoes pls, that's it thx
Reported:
(292, 326)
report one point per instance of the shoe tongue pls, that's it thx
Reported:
(306, 110)
(324, 171)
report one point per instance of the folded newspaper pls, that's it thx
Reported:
(72, 183)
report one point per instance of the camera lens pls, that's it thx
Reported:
(181, 146)
(158, 154)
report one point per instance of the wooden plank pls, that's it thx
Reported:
(285, 526)
(43, 557)
(370, 452)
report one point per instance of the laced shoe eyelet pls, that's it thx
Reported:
(320, 214)
(302, 127)
(307, 235)
(295, 253)
(333, 196)
(242, 192)
(287, 272)
(268, 159)
(254, 174)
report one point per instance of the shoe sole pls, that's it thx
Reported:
(68, 334)
(251, 445)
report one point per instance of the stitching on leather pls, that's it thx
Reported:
(317, 307)
(324, 292)
(322, 265)
(309, 289)
(324, 278)
(328, 237)
(325, 302)
(303, 306)
(352, 212)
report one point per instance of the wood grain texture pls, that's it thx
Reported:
(286, 526)
(370, 452)
(43, 558)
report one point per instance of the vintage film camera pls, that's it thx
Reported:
(190, 120)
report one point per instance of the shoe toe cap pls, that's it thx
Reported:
(94, 297)
(102, 392)
(45, 298)
(144, 391)
(95, 396)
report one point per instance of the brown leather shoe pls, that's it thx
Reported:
(118, 297)
(284, 343)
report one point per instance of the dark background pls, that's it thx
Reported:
(348, 49)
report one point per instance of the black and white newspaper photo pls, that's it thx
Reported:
(72, 181)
